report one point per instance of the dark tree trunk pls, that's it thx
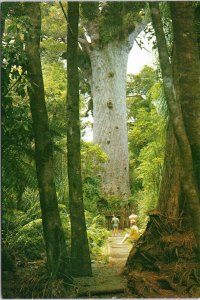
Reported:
(20, 191)
(187, 75)
(57, 255)
(170, 189)
(3, 14)
(80, 255)
(197, 24)
(174, 101)
(167, 247)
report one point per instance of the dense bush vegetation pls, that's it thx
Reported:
(146, 139)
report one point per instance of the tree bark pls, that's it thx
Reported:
(187, 75)
(108, 87)
(168, 238)
(3, 13)
(109, 111)
(197, 24)
(170, 188)
(57, 254)
(80, 255)
(189, 181)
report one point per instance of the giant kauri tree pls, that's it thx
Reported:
(111, 29)
(170, 245)
(80, 255)
(57, 254)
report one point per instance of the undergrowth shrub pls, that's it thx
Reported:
(37, 284)
(65, 219)
(97, 234)
(28, 241)
(23, 232)
(91, 194)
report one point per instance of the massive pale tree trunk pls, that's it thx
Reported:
(108, 87)
(57, 254)
(80, 255)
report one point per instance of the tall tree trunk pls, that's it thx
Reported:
(3, 13)
(168, 240)
(57, 255)
(108, 87)
(187, 75)
(20, 191)
(170, 189)
(80, 255)
(189, 180)
(197, 24)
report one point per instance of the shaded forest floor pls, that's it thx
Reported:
(30, 280)
(107, 280)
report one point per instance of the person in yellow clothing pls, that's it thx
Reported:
(133, 234)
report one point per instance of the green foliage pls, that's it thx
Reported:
(16, 123)
(55, 94)
(52, 50)
(148, 127)
(18, 170)
(90, 10)
(97, 234)
(151, 159)
(30, 203)
(17, 148)
(53, 42)
(35, 282)
(92, 159)
(146, 139)
(54, 76)
(91, 194)
(14, 60)
(65, 219)
(111, 22)
(115, 20)
(142, 83)
(25, 241)
(22, 231)
(29, 240)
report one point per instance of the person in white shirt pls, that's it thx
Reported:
(115, 222)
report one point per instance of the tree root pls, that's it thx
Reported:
(164, 263)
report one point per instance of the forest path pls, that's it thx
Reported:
(107, 281)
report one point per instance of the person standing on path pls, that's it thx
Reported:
(115, 222)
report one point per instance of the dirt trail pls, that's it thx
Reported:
(107, 281)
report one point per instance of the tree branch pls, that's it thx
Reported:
(65, 15)
(18, 79)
